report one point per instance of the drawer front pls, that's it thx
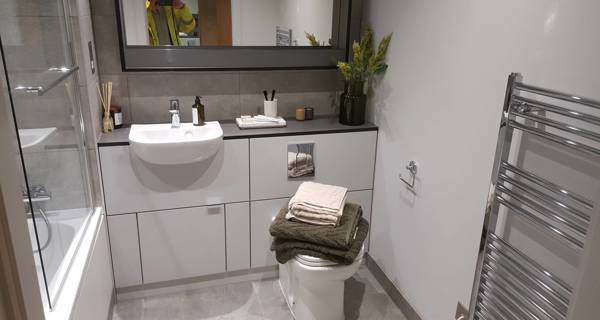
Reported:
(345, 159)
(125, 250)
(182, 243)
(237, 225)
(261, 216)
(132, 185)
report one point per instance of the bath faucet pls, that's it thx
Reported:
(174, 111)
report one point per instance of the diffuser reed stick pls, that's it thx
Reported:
(105, 92)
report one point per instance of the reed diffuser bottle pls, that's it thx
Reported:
(105, 92)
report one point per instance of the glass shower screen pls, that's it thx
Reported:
(41, 77)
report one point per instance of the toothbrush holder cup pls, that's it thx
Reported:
(271, 108)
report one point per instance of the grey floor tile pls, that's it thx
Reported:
(257, 300)
(128, 310)
(169, 306)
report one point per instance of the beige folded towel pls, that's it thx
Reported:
(317, 204)
(319, 198)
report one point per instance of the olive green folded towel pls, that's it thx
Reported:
(338, 237)
(286, 249)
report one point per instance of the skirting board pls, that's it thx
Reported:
(152, 289)
(391, 290)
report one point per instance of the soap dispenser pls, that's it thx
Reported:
(198, 112)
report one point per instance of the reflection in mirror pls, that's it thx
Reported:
(300, 160)
(229, 22)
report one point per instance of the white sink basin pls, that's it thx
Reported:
(161, 144)
(33, 137)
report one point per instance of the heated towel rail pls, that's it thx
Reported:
(508, 284)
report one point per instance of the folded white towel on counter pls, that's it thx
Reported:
(318, 203)
(257, 122)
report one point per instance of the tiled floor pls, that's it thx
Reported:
(364, 299)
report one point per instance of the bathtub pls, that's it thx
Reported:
(67, 226)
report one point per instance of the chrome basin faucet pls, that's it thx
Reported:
(174, 111)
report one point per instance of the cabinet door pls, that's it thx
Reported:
(262, 214)
(237, 227)
(132, 185)
(364, 198)
(182, 243)
(344, 159)
(125, 250)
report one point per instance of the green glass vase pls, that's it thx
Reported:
(353, 104)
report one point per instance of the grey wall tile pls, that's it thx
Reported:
(103, 8)
(290, 81)
(92, 114)
(324, 103)
(53, 109)
(155, 109)
(78, 7)
(95, 111)
(95, 181)
(32, 43)
(28, 8)
(82, 33)
(107, 44)
(183, 84)
(58, 170)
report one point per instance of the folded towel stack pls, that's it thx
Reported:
(340, 244)
(317, 204)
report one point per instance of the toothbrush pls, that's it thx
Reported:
(273, 95)
(266, 95)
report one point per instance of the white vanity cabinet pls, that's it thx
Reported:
(261, 215)
(182, 243)
(237, 226)
(132, 185)
(175, 222)
(344, 159)
(125, 250)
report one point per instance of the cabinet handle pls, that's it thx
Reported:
(214, 209)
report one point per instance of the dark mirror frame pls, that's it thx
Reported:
(149, 58)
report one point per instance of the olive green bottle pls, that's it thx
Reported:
(198, 112)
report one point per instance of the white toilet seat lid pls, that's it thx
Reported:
(318, 262)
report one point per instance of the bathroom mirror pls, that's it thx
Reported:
(236, 34)
(300, 160)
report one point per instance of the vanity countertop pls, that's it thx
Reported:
(319, 125)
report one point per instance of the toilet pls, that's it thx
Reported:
(314, 288)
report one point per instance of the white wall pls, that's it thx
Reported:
(254, 22)
(439, 104)
(312, 16)
(136, 23)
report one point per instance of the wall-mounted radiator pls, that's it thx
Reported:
(511, 283)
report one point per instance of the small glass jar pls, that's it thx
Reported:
(116, 115)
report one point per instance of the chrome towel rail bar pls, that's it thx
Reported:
(556, 138)
(533, 104)
(574, 215)
(557, 232)
(552, 187)
(509, 284)
(557, 95)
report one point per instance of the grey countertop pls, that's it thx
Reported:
(319, 125)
